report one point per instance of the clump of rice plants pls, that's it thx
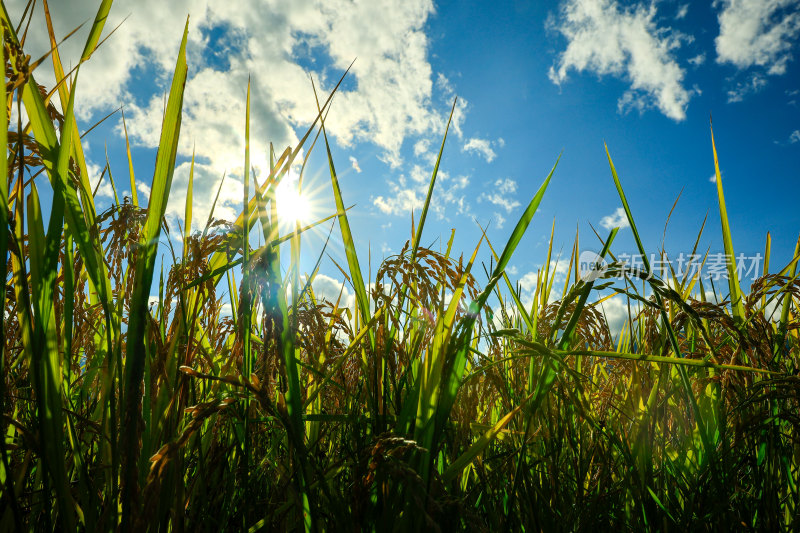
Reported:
(438, 402)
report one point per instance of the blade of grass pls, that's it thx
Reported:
(4, 232)
(673, 339)
(457, 466)
(187, 210)
(245, 302)
(783, 323)
(362, 300)
(458, 349)
(45, 363)
(537, 348)
(424, 214)
(134, 195)
(64, 94)
(737, 300)
(145, 264)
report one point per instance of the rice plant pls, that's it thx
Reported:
(440, 401)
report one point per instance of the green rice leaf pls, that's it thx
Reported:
(737, 299)
(145, 264)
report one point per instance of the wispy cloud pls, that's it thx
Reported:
(609, 39)
(355, 165)
(755, 83)
(502, 193)
(499, 220)
(444, 85)
(618, 219)
(407, 193)
(794, 137)
(697, 60)
(482, 147)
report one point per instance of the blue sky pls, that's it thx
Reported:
(533, 80)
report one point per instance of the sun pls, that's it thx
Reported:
(293, 206)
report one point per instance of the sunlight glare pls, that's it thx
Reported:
(293, 207)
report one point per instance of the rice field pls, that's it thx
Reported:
(438, 402)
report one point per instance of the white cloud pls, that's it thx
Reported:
(392, 93)
(502, 194)
(616, 312)
(616, 220)
(697, 60)
(682, 11)
(205, 185)
(558, 269)
(506, 186)
(328, 288)
(143, 188)
(452, 193)
(104, 189)
(408, 192)
(713, 178)
(482, 147)
(744, 89)
(446, 86)
(606, 38)
(794, 137)
(528, 281)
(421, 146)
(354, 163)
(757, 33)
(403, 199)
(499, 220)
